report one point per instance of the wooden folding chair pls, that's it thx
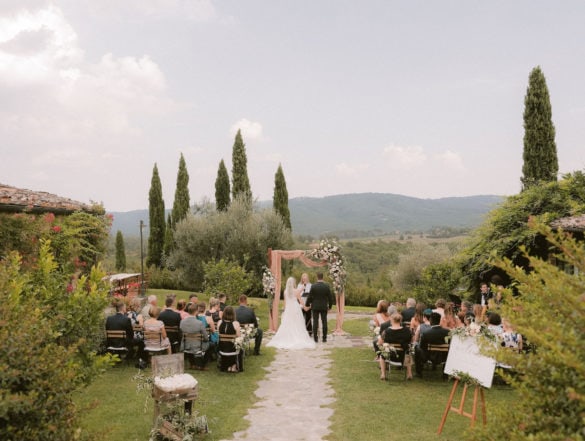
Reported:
(116, 343)
(174, 336)
(153, 343)
(238, 353)
(437, 354)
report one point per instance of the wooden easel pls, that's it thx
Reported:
(477, 393)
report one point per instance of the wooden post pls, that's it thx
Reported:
(477, 394)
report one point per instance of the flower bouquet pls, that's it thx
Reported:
(386, 351)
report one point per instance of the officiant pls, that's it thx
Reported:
(305, 285)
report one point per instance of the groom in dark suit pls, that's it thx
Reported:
(320, 300)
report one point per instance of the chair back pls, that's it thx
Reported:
(168, 365)
(152, 340)
(438, 352)
(116, 340)
(174, 336)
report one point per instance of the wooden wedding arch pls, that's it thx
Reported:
(275, 263)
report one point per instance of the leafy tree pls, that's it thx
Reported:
(237, 235)
(156, 214)
(549, 311)
(540, 151)
(181, 204)
(168, 247)
(280, 198)
(506, 227)
(222, 188)
(226, 277)
(39, 375)
(120, 252)
(240, 181)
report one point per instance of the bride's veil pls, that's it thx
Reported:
(290, 287)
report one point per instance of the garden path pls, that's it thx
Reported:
(294, 399)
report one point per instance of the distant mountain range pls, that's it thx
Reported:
(362, 214)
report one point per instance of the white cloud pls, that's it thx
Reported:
(451, 160)
(408, 157)
(250, 129)
(194, 10)
(351, 170)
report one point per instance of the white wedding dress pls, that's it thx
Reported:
(292, 333)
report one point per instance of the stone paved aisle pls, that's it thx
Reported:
(294, 398)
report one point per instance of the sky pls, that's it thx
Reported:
(419, 98)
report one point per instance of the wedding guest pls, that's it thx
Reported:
(182, 309)
(152, 324)
(170, 317)
(435, 335)
(440, 307)
(228, 325)
(408, 312)
(192, 325)
(424, 326)
(495, 323)
(214, 312)
(222, 299)
(152, 301)
(381, 315)
(246, 315)
(449, 319)
(137, 323)
(418, 317)
(193, 298)
(466, 309)
(120, 322)
(479, 313)
(395, 333)
(509, 337)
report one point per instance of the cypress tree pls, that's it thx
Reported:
(222, 188)
(168, 246)
(156, 216)
(181, 204)
(120, 252)
(280, 198)
(240, 181)
(540, 151)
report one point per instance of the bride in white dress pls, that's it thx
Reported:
(292, 333)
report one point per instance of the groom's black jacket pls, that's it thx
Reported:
(320, 297)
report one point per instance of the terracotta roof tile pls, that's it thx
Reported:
(14, 199)
(571, 223)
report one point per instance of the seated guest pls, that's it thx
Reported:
(466, 309)
(207, 322)
(509, 337)
(396, 333)
(381, 315)
(192, 325)
(182, 309)
(214, 312)
(424, 326)
(120, 322)
(170, 317)
(152, 301)
(222, 299)
(137, 322)
(435, 335)
(152, 324)
(440, 307)
(408, 312)
(495, 323)
(479, 313)
(449, 319)
(246, 315)
(418, 317)
(230, 357)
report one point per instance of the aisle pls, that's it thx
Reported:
(294, 398)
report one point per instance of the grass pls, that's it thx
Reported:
(365, 408)
(369, 409)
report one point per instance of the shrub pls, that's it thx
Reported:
(226, 277)
(549, 313)
(50, 331)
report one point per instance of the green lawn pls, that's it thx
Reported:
(365, 408)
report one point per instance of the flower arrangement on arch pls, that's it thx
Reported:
(268, 282)
(330, 251)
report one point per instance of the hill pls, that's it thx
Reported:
(362, 214)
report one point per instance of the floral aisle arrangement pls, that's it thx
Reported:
(374, 330)
(386, 351)
(247, 333)
(476, 330)
(330, 251)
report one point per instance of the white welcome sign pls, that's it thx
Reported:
(464, 356)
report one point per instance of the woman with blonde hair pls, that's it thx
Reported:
(381, 315)
(449, 319)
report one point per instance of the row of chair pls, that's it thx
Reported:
(437, 356)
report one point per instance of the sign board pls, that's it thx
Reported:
(464, 356)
